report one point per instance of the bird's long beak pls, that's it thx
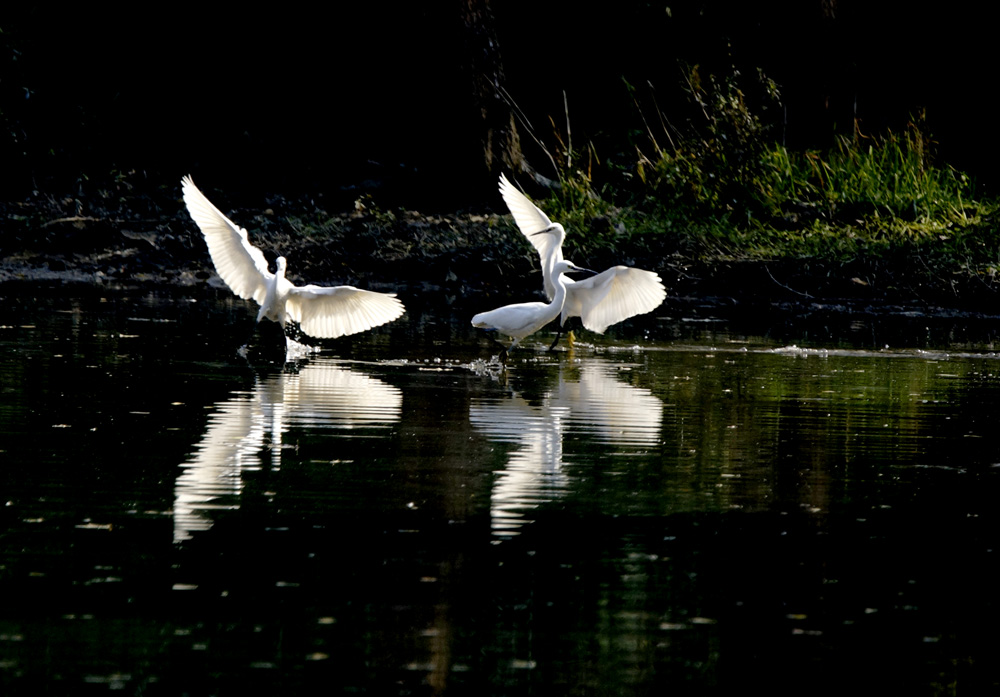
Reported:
(550, 228)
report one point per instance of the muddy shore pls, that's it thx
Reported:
(150, 240)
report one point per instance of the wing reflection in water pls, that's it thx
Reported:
(320, 395)
(589, 400)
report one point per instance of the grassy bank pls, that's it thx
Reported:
(717, 205)
(874, 212)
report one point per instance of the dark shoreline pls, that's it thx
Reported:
(142, 241)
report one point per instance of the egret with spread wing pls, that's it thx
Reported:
(321, 312)
(609, 297)
(524, 319)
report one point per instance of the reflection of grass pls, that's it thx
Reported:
(720, 190)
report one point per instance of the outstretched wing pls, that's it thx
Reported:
(530, 220)
(612, 296)
(326, 313)
(241, 265)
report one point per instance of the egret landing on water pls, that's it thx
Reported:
(599, 301)
(321, 312)
(524, 319)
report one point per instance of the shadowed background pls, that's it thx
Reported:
(394, 99)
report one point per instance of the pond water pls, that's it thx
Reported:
(693, 504)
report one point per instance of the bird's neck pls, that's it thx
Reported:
(559, 298)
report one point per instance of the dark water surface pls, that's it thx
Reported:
(795, 504)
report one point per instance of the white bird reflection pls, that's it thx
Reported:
(588, 400)
(249, 427)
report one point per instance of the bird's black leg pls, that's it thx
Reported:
(552, 346)
(502, 356)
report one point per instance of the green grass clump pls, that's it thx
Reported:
(867, 196)
(722, 189)
(889, 178)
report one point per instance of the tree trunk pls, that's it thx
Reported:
(501, 145)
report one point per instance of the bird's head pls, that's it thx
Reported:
(282, 264)
(568, 266)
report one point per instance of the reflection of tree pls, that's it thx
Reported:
(591, 402)
(321, 394)
(752, 431)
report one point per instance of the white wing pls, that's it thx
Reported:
(530, 219)
(528, 216)
(241, 265)
(327, 313)
(612, 296)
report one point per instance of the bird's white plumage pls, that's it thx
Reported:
(340, 311)
(524, 319)
(612, 296)
(241, 265)
(321, 312)
(609, 297)
(532, 222)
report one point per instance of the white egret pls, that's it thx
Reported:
(321, 312)
(609, 297)
(523, 319)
